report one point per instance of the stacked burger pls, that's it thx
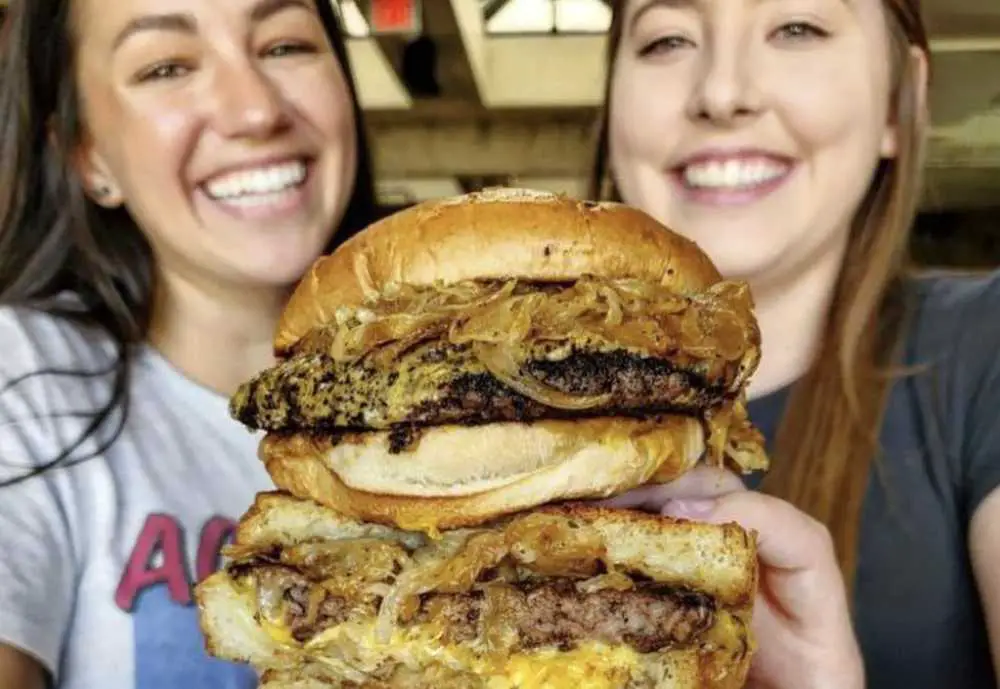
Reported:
(456, 387)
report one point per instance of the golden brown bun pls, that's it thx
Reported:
(596, 456)
(679, 669)
(716, 559)
(459, 476)
(496, 233)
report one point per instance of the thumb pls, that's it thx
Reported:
(787, 538)
(795, 551)
(699, 483)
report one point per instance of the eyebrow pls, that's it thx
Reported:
(185, 23)
(650, 4)
(677, 5)
(178, 23)
(267, 8)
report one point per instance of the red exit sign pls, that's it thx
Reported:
(395, 16)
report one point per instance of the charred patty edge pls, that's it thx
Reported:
(640, 387)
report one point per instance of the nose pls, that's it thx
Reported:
(246, 102)
(725, 90)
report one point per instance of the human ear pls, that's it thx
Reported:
(918, 69)
(95, 173)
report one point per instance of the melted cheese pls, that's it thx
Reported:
(279, 633)
(591, 666)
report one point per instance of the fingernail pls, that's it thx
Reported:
(688, 509)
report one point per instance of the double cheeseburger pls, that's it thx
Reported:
(455, 386)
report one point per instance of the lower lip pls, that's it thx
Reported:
(732, 196)
(275, 206)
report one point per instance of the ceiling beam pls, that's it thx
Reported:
(454, 31)
(379, 89)
(557, 145)
(552, 148)
(493, 7)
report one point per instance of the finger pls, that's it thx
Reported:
(799, 567)
(786, 538)
(701, 482)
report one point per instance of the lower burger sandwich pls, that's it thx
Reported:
(452, 385)
(560, 596)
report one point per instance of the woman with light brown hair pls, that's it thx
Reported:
(786, 138)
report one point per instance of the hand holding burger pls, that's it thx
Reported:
(801, 620)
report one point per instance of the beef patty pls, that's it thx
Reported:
(438, 383)
(555, 614)
(550, 614)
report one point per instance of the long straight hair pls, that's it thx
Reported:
(828, 436)
(53, 239)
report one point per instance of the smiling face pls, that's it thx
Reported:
(752, 126)
(225, 127)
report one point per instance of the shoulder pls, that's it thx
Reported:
(941, 289)
(55, 377)
(955, 347)
(955, 313)
(36, 340)
(957, 294)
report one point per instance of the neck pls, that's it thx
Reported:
(792, 315)
(216, 338)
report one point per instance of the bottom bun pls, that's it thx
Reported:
(681, 669)
(460, 476)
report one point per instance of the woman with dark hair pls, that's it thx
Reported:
(787, 139)
(168, 171)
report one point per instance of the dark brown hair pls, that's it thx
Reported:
(828, 437)
(54, 240)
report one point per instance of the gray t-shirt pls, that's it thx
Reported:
(97, 561)
(918, 615)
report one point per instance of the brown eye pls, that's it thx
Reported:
(666, 44)
(288, 49)
(799, 31)
(163, 70)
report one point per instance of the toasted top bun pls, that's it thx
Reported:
(494, 234)
(716, 559)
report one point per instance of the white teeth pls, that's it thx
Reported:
(241, 187)
(733, 174)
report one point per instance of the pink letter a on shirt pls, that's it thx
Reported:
(160, 534)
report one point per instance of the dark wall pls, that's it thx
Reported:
(960, 239)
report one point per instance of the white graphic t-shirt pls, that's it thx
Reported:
(98, 560)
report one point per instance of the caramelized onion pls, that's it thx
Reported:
(363, 559)
(500, 361)
(270, 601)
(317, 594)
(457, 574)
(652, 318)
(616, 581)
(545, 544)
(500, 633)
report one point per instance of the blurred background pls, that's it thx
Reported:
(468, 93)
(463, 94)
